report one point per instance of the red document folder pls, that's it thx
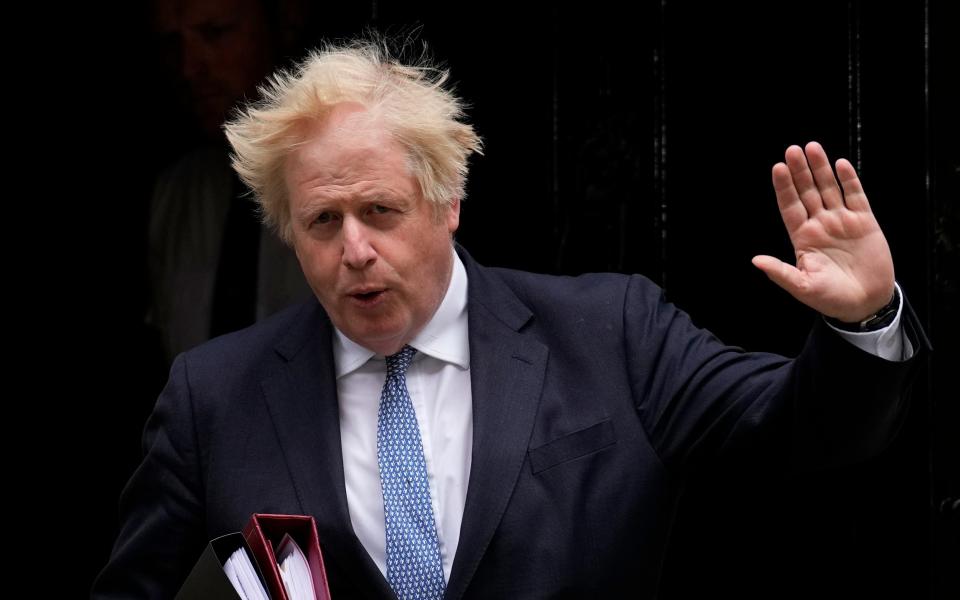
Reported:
(264, 532)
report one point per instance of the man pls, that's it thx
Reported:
(212, 267)
(496, 433)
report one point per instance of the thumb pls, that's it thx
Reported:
(786, 276)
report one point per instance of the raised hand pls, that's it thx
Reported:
(844, 269)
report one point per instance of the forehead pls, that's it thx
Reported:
(349, 141)
(346, 124)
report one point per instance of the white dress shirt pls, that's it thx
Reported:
(188, 209)
(439, 384)
(888, 343)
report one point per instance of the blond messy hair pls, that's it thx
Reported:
(409, 99)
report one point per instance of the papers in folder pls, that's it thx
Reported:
(242, 574)
(276, 557)
(294, 570)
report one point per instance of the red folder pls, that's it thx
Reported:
(264, 532)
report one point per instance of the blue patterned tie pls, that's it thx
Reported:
(414, 567)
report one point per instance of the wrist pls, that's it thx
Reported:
(880, 319)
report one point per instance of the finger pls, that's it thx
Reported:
(786, 276)
(823, 176)
(853, 194)
(791, 209)
(803, 180)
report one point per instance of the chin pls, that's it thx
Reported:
(379, 340)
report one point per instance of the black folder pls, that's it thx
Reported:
(207, 580)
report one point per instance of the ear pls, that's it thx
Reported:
(453, 216)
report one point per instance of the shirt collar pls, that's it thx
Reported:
(444, 337)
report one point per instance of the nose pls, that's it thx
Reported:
(358, 253)
(193, 58)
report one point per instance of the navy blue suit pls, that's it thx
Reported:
(592, 397)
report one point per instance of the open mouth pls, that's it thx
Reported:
(368, 298)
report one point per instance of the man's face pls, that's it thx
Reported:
(369, 244)
(215, 51)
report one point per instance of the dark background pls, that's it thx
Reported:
(634, 138)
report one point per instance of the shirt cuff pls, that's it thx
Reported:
(888, 343)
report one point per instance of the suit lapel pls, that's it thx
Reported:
(506, 375)
(301, 396)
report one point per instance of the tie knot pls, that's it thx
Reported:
(397, 363)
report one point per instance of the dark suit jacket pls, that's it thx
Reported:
(592, 397)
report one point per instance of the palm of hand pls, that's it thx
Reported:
(844, 268)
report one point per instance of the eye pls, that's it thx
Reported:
(211, 32)
(380, 209)
(325, 217)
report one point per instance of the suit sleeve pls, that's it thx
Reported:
(700, 400)
(161, 510)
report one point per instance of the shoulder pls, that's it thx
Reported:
(602, 291)
(556, 301)
(204, 164)
(260, 347)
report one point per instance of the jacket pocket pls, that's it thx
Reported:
(573, 445)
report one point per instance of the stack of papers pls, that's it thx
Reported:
(242, 574)
(295, 570)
